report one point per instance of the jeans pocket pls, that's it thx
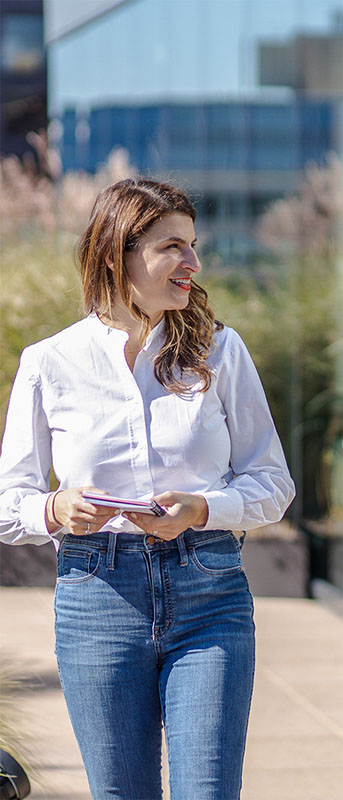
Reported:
(218, 556)
(77, 564)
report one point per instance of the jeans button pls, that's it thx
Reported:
(151, 540)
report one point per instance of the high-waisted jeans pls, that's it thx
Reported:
(150, 631)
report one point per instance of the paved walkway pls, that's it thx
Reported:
(295, 735)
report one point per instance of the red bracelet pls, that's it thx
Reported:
(52, 508)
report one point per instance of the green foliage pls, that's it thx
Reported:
(40, 295)
(290, 323)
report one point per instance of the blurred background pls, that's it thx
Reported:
(239, 102)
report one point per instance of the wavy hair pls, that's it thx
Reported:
(120, 215)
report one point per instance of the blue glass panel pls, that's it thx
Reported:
(100, 136)
(316, 129)
(68, 144)
(279, 119)
(275, 137)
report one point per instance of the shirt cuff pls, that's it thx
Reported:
(32, 515)
(225, 510)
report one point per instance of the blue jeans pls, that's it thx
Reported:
(147, 631)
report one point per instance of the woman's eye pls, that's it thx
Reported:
(169, 246)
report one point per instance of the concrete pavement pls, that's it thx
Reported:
(295, 736)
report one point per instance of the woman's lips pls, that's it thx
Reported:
(185, 285)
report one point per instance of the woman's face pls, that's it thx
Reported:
(162, 265)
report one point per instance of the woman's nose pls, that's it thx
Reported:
(191, 261)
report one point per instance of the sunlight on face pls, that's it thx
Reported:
(163, 264)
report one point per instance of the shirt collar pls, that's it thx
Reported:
(103, 330)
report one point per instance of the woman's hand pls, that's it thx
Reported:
(68, 508)
(184, 510)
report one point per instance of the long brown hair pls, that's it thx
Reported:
(120, 215)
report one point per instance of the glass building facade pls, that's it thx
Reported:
(235, 157)
(184, 92)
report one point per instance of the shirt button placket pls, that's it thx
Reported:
(139, 441)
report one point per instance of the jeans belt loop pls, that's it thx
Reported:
(182, 550)
(111, 550)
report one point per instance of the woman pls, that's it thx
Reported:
(147, 396)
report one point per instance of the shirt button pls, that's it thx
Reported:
(151, 540)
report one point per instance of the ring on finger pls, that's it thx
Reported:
(88, 530)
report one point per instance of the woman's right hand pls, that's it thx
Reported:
(67, 507)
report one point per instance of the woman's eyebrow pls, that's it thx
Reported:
(177, 239)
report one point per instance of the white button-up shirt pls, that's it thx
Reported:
(76, 406)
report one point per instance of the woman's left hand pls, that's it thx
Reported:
(183, 511)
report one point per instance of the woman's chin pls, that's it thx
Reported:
(177, 304)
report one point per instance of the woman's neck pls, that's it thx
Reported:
(123, 320)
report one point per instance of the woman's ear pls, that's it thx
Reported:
(109, 263)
